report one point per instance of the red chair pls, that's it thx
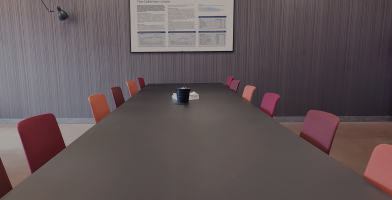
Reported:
(140, 80)
(319, 129)
(117, 96)
(379, 168)
(228, 82)
(269, 102)
(41, 139)
(5, 184)
(234, 85)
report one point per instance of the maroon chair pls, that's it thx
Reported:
(229, 80)
(140, 80)
(234, 85)
(117, 96)
(41, 139)
(319, 129)
(5, 184)
(269, 102)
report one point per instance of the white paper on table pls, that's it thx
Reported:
(192, 96)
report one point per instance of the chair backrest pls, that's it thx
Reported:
(99, 106)
(140, 80)
(228, 82)
(132, 87)
(117, 96)
(41, 139)
(379, 168)
(248, 92)
(319, 129)
(268, 104)
(234, 85)
(5, 184)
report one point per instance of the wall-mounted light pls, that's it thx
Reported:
(61, 13)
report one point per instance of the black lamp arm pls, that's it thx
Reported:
(47, 7)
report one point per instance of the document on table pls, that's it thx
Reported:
(192, 96)
(181, 25)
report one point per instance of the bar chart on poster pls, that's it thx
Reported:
(181, 25)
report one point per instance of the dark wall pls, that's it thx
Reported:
(330, 55)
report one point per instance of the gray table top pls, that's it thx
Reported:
(219, 147)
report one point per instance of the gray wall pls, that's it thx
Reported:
(332, 55)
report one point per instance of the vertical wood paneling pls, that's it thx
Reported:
(330, 55)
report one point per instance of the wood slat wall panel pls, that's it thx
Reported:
(330, 55)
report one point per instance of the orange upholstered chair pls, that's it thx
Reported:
(132, 87)
(248, 92)
(5, 184)
(379, 168)
(99, 106)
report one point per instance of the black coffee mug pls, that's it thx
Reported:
(183, 95)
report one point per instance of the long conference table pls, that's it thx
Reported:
(220, 147)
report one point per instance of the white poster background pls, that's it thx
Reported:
(181, 25)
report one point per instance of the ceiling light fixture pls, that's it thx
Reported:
(61, 13)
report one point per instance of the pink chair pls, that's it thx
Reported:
(319, 129)
(248, 92)
(140, 80)
(269, 102)
(234, 85)
(41, 139)
(5, 184)
(379, 168)
(228, 82)
(117, 96)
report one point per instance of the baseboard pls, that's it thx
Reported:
(279, 119)
(342, 119)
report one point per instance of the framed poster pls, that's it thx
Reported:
(181, 25)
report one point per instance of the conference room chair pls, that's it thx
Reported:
(5, 184)
(319, 129)
(379, 168)
(234, 85)
(117, 96)
(269, 102)
(140, 80)
(41, 139)
(248, 92)
(132, 87)
(99, 106)
(229, 80)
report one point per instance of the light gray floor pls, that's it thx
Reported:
(352, 146)
(12, 153)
